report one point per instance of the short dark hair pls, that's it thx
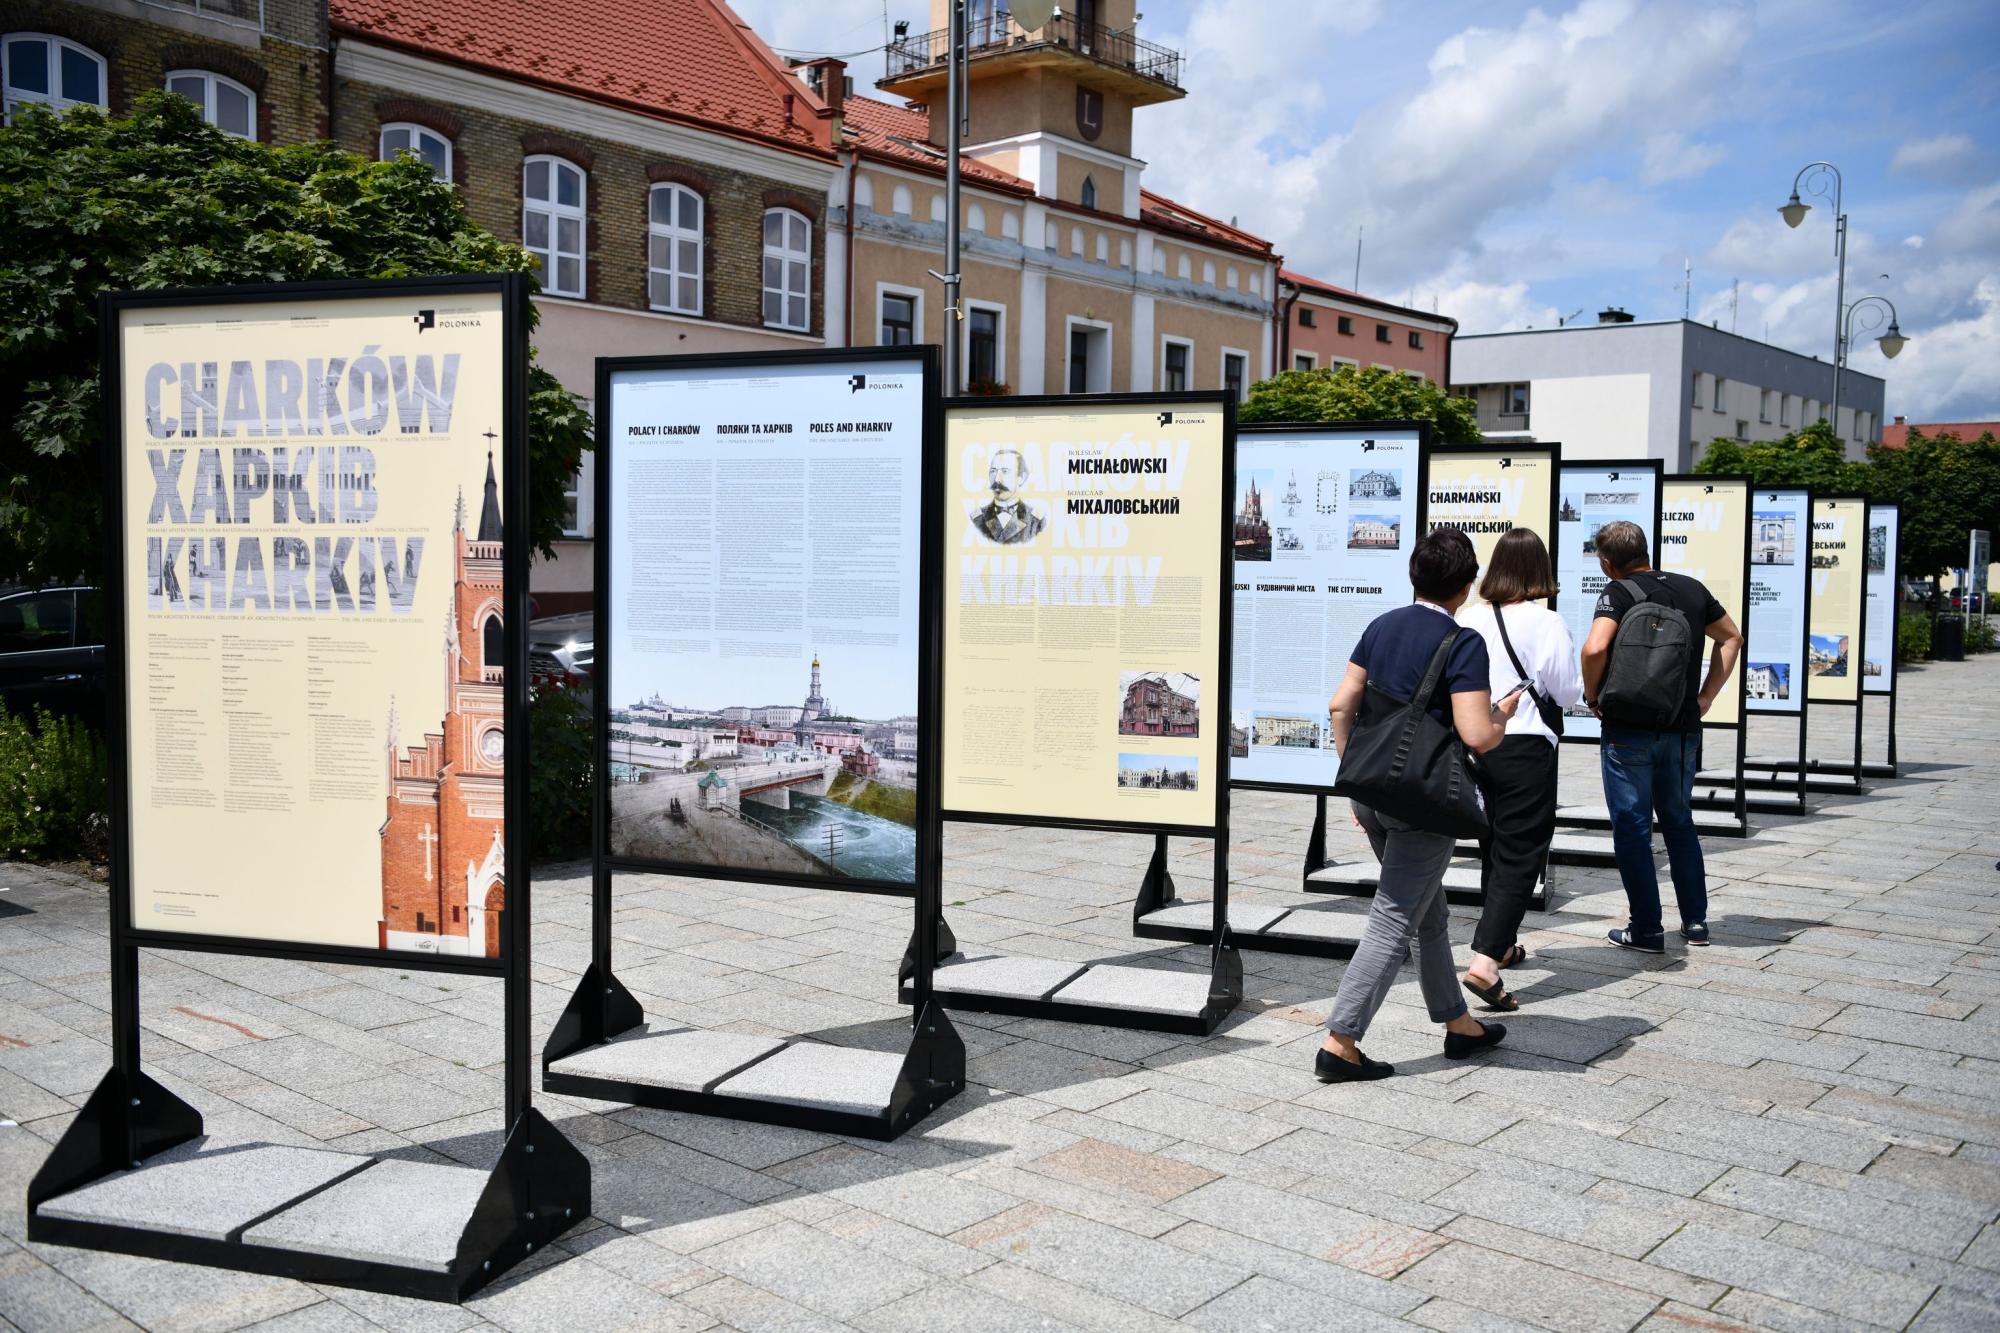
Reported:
(1518, 570)
(1442, 564)
(1621, 545)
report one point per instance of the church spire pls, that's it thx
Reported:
(489, 511)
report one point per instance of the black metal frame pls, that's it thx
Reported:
(601, 1007)
(1658, 469)
(541, 1183)
(1315, 858)
(1225, 965)
(1156, 890)
(1739, 803)
(1765, 775)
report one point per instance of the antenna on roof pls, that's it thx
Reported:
(1357, 257)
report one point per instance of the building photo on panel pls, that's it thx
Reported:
(1159, 703)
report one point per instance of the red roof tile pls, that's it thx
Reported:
(685, 60)
(1164, 212)
(1897, 434)
(902, 135)
(1320, 287)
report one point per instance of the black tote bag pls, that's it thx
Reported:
(1404, 763)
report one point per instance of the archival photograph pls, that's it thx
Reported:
(1767, 680)
(1773, 538)
(1253, 530)
(1159, 703)
(1827, 655)
(1374, 532)
(1239, 733)
(1285, 731)
(1159, 772)
(1381, 483)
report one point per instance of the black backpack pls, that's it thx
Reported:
(1646, 680)
(1405, 763)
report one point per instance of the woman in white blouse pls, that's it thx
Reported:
(1518, 777)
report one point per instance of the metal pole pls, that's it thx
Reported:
(1839, 302)
(955, 112)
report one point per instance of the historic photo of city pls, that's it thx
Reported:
(710, 774)
(1374, 532)
(1159, 703)
(1159, 772)
(1773, 538)
(1253, 530)
(1826, 655)
(1767, 680)
(1285, 731)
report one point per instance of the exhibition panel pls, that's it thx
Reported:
(1086, 563)
(295, 573)
(1483, 490)
(1324, 518)
(1592, 495)
(762, 528)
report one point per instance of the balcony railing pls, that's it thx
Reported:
(242, 13)
(984, 36)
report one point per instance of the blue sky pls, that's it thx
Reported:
(1513, 163)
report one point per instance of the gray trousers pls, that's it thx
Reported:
(1409, 905)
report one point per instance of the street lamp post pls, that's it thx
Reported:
(1891, 342)
(1814, 177)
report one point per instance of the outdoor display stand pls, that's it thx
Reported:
(758, 512)
(1836, 648)
(1483, 489)
(1879, 675)
(1775, 643)
(259, 671)
(1705, 534)
(1324, 518)
(1086, 628)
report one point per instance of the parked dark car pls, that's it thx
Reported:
(562, 645)
(51, 651)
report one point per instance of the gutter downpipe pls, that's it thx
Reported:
(1284, 317)
(847, 319)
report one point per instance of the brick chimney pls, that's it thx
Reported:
(828, 77)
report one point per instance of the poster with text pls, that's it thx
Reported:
(765, 547)
(1483, 493)
(1324, 523)
(1839, 541)
(1878, 660)
(313, 613)
(1704, 526)
(1591, 495)
(1774, 636)
(1084, 579)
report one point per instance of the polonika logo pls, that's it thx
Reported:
(425, 319)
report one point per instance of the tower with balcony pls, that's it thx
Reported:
(1053, 106)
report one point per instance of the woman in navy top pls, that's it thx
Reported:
(1394, 652)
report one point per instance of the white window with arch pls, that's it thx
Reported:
(1159, 261)
(1010, 227)
(1124, 254)
(864, 192)
(421, 142)
(1256, 285)
(1208, 272)
(975, 218)
(1229, 279)
(50, 71)
(225, 103)
(1049, 235)
(1103, 248)
(673, 249)
(1186, 269)
(1076, 241)
(552, 222)
(937, 208)
(787, 270)
(900, 201)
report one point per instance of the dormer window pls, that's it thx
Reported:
(1090, 192)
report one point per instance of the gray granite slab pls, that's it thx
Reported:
(1703, 819)
(205, 1189)
(811, 1073)
(409, 1214)
(1596, 844)
(1013, 977)
(1343, 922)
(686, 1059)
(1364, 874)
(1148, 990)
(1244, 918)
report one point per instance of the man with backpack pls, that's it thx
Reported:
(1642, 675)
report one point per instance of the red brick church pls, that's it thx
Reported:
(443, 857)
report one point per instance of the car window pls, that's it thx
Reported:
(37, 620)
(88, 633)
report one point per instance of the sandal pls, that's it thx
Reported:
(1495, 997)
(1516, 956)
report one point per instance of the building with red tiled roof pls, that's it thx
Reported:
(1321, 325)
(1897, 433)
(1076, 277)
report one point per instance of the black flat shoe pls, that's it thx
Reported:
(1332, 1069)
(1458, 1048)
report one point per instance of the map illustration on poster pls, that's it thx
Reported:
(1774, 653)
(314, 617)
(1839, 540)
(1704, 525)
(765, 543)
(1083, 610)
(1300, 606)
(1484, 492)
(1878, 662)
(1591, 495)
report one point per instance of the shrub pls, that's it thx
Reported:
(559, 788)
(53, 794)
(1913, 637)
(1980, 635)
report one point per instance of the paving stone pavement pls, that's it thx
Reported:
(1797, 1128)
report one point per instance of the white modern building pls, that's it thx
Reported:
(1626, 388)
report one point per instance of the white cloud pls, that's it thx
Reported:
(1943, 157)
(1502, 112)
(1670, 157)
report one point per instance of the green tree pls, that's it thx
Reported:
(1811, 456)
(1946, 487)
(1348, 393)
(159, 199)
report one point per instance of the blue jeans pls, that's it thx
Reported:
(1648, 773)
